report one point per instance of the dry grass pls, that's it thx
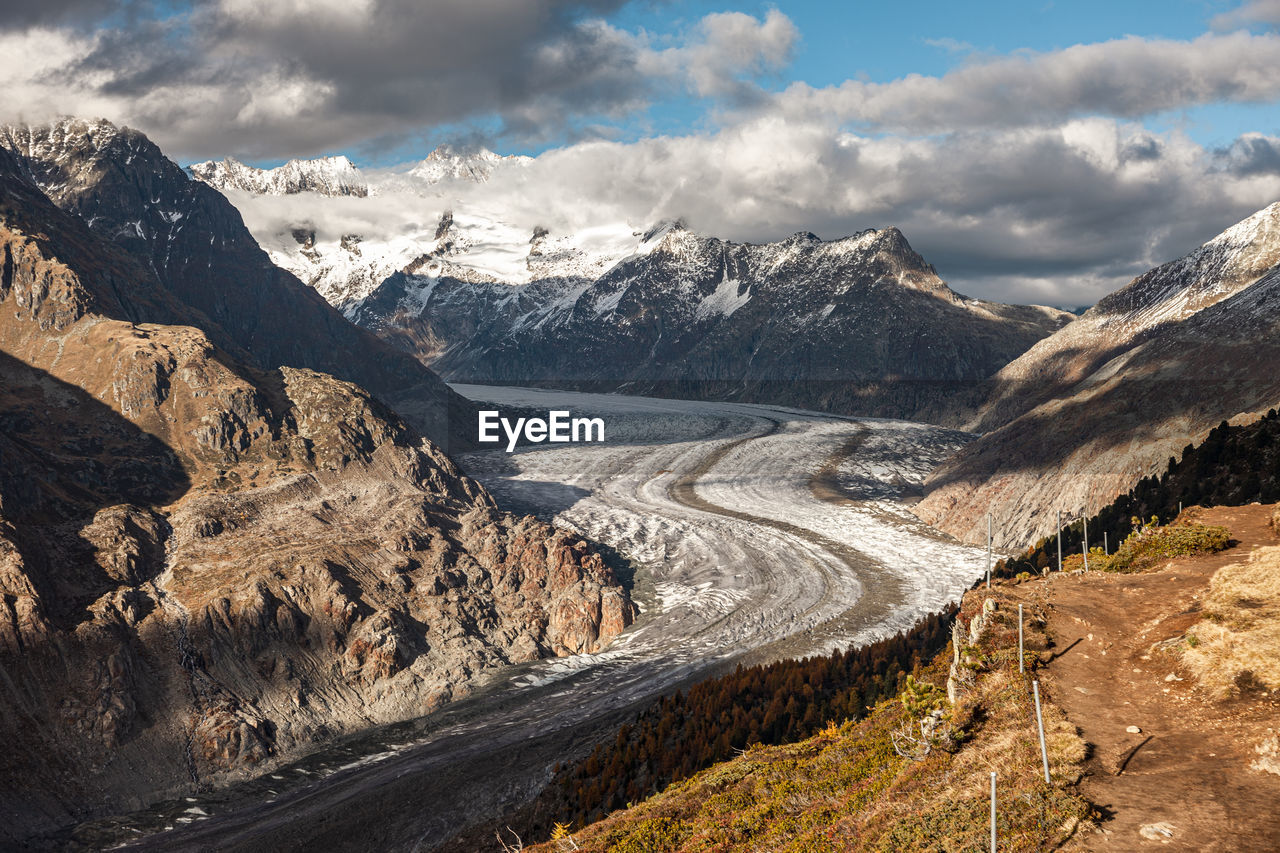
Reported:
(1237, 647)
(1153, 546)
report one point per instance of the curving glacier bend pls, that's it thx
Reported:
(756, 533)
(765, 524)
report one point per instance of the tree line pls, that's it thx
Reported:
(680, 734)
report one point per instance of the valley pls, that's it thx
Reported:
(754, 532)
(462, 427)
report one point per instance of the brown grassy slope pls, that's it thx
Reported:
(849, 789)
(1237, 646)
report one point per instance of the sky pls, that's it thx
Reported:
(1031, 151)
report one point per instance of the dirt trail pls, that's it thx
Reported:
(1188, 769)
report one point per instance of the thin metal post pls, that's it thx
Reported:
(1020, 663)
(993, 811)
(1059, 540)
(1085, 544)
(1106, 549)
(988, 550)
(1044, 752)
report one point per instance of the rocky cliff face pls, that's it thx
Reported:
(195, 243)
(207, 566)
(861, 325)
(1089, 411)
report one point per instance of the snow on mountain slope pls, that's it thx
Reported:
(331, 176)
(345, 248)
(859, 324)
(344, 232)
(1087, 412)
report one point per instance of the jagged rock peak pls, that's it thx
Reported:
(331, 176)
(71, 140)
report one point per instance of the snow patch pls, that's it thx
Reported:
(725, 299)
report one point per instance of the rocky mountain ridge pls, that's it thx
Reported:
(862, 324)
(659, 310)
(207, 566)
(1087, 412)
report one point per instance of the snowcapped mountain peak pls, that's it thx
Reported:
(56, 141)
(1225, 265)
(662, 229)
(447, 163)
(330, 176)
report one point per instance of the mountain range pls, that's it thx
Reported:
(861, 324)
(1072, 411)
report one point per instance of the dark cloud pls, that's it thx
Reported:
(20, 14)
(297, 77)
(1251, 155)
(1143, 148)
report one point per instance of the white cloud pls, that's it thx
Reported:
(1124, 78)
(1253, 12)
(731, 44)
